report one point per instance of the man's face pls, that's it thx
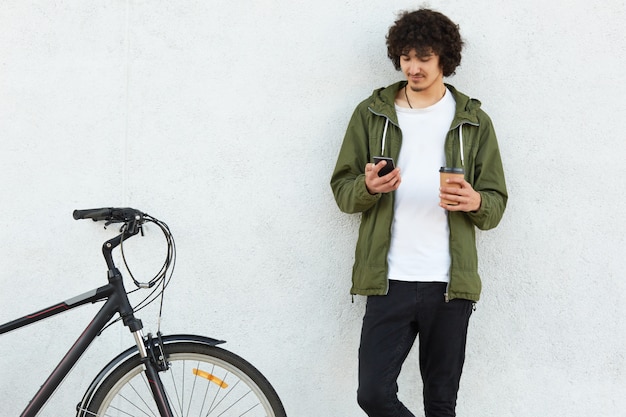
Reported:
(422, 72)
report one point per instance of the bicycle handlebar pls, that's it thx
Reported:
(111, 214)
(133, 224)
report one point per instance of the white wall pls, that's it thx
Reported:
(223, 118)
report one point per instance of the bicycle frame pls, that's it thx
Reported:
(116, 302)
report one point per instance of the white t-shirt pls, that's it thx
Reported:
(419, 234)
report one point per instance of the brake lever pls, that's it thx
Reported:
(133, 227)
(110, 222)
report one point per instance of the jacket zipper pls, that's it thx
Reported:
(383, 142)
(446, 295)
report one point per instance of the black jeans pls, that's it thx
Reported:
(390, 327)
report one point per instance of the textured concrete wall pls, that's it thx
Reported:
(224, 119)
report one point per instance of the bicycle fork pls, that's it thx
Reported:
(153, 363)
(145, 346)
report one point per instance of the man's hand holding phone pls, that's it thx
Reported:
(382, 176)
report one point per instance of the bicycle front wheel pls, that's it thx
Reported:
(202, 381)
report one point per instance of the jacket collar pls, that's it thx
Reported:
(383, 99)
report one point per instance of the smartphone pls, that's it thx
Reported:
(387, 168)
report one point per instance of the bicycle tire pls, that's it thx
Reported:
(202, 381)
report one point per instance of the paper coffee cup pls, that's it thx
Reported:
(444, 174)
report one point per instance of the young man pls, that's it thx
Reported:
(415, 256)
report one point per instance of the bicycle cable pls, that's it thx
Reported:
(162, 278)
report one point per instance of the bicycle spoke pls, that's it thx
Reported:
(197, 384)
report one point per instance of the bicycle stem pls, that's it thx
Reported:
(109, 245)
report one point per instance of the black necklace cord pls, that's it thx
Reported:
(407, 96)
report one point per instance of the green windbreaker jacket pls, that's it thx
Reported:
(479, 155)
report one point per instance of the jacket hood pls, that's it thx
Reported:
(382, 102)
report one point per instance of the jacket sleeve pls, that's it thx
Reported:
(348, 178)
(489, 179)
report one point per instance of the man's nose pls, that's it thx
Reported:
(414, 67)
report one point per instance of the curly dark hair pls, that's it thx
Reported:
(426, 31)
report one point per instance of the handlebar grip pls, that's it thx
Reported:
(94, 214)
(111, 214)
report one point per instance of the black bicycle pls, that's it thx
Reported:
(162, 375)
